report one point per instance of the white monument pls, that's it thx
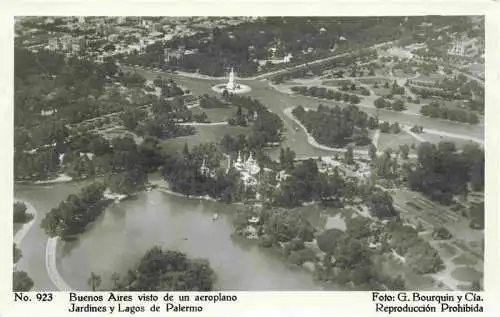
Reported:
(231, 86)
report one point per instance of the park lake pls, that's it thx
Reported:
(125, 231)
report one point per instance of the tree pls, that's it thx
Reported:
(115, 278)
(405, 151)
(441, 233)
(372, 151)
(381, 205)
(398, 105)
(381, 103)
(19, 214)
(395, 128)
(94, 281)
(328, 240)
(17, 254)
(21, 282)
(160, 270)
(476, 286)
(351, 253)
(349, 155)
(384, 127)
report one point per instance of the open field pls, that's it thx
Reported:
(216, 114)
(430, 78)
(372, 80)
(433, 138)
(402, 74)
(336, 83)
(381, 91)
(393, 141)
(203, 134)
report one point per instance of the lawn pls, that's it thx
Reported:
(446, 250)
(413, 107)
(339, 82)
(433, 138)
(400, 73)
(381, 91)
(216, 114)
(371, 81)
(393, 141)
(430, 78)
(466, 274)
(465, 260)
(204, 134)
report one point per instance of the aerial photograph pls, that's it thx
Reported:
(238, 153)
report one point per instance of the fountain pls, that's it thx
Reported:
(231, 86)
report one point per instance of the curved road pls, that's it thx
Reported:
(39, 252)
(296, 139)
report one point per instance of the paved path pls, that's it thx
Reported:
(204, 124)
(18, 237)
(50, 251)
(51, 265)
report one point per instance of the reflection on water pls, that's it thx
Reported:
(116, 241)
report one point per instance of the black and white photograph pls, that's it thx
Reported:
(249, 153)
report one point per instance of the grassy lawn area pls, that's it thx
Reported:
(465, 259)
(381, 91)
(446, 251)
(414, 281)
(216, 114)
(433, 138)
(393, 141)
(372, 81)
(204, 134)
(413, 107)
(336, 82)
(430, 78)
(400, 73)
(466, 274)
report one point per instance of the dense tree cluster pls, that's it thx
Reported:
(92, 155)
(243, 45)
(380, 205)
(396, 105)
(72, 215)
(182, 171)
(419, 254)
(73, 87)
(349, 259)
(476, 215)
(387, 127)
(324, 93)
(441, 233)
(21, 282)
(279, 227)
(169, 88)
(317, 69)
(19, 214)
(166, 270)
(162, 123)
(209, 102)
(435, 110)
(266, 129)
(456, 88)
(443, 172)
(336, 127)
(75, 90)
(305, 183)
